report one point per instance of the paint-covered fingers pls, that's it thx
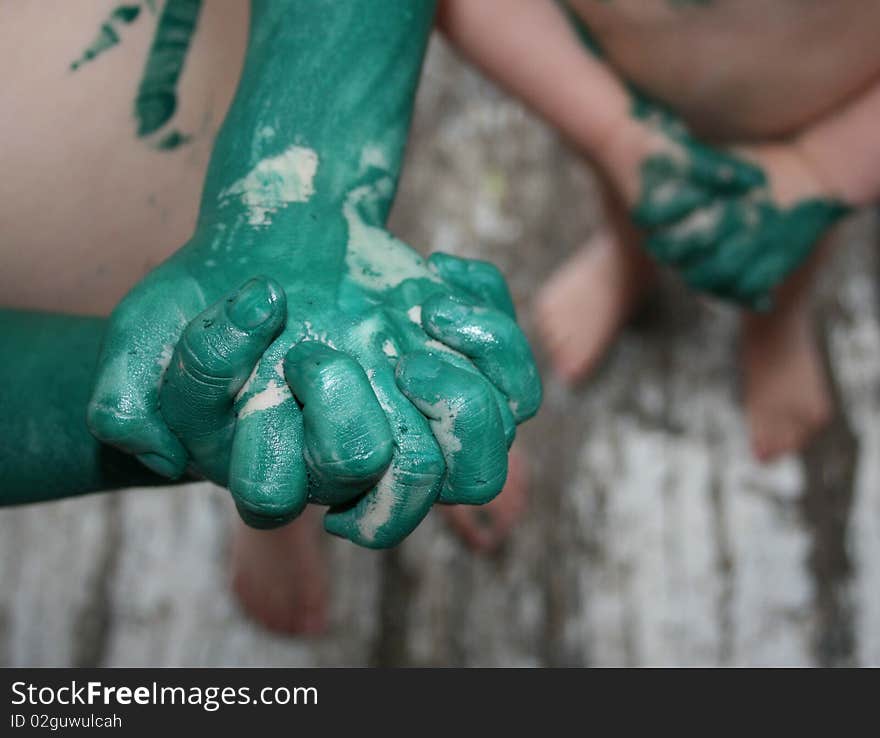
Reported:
(217, 352)
(719, 272)
(674, 187)
(722, 171)
(481, 279)
(496, 346)
(348, 439)
(667, 194)
(267, 473)
(407, 490)
(464, 418)
(123, 410)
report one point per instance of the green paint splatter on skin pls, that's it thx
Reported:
(172, 140)
(156, 99)
(108, 35)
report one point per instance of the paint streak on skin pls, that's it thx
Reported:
(156, 99)
(275, 394)
(375, 259)
(165, 357)
(441, 417)
(380, 509)
(172, 141)
(275, 182)
(108, 35)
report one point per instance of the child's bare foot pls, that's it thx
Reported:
(786, 389)
(280, 576)
(586, 301)
(484, 528)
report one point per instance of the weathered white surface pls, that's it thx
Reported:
(652, 538)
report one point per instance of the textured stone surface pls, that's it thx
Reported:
(652, 538)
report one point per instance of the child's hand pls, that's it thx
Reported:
(663, 173)
(742, 245)
(410, 375)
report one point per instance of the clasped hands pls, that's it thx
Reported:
(733, 222)
(376, 383)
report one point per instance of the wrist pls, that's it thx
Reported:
(837, 172)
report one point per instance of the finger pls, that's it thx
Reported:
(465, 421)
(494, 343)
(348, 439)
(393, 509)
(723, 171)
(794, 235)
(267, 474)
(124, 406)
(691, 237)
(666, 201)
(721, 271)
(479, 278)
(772, 263)
(217, 353)
(409, 333)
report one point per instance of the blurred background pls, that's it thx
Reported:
(652, 537)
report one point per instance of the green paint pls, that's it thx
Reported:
(156, 99)
(742, 247)
(108, 34)
(301, 179)
(690, 176)
(172, 140)
(46, 450)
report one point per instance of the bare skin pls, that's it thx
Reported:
(593, 293)
(729, 70)
(280, 576)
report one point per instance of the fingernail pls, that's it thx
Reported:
(160, 465)
(252, 306)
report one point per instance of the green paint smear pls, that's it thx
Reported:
(741, 248)
(172, 140)
(156, 99)
(108, 34)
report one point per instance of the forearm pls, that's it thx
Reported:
(46, 450)
(530, 47)
(845, 149)
(331, 84)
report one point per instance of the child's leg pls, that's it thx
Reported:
(591, 295)
(787, 397)
(280, 576)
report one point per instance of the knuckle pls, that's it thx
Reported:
(354, 467)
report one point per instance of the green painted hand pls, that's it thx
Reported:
(338, 409)
(741, 246)
(407, 383)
